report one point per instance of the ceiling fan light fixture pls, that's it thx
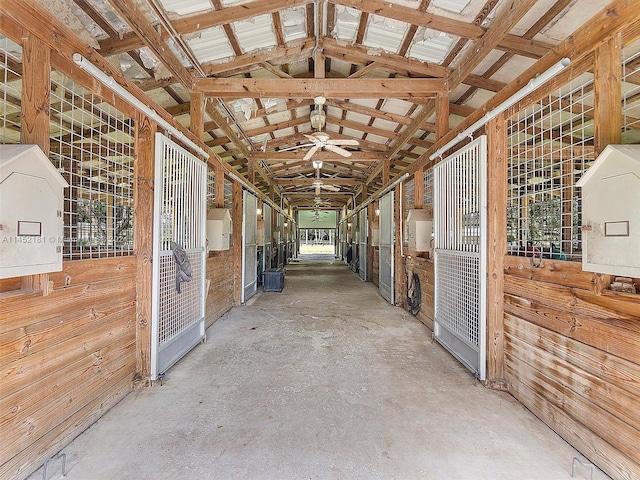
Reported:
(317, 118)
(317, 164)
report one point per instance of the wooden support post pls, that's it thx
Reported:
(442, 115)
(386, 170)
(607, 106)
(236, 216)
(197, 114)
(143, 244)
(418, 188)
(496, 131)
(36, 97)
(219, 190)
(251, 170)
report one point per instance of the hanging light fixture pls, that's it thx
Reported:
(317, 164)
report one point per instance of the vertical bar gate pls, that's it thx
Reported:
(179, 220)
(460, 212)
(249, 246)
(385, 246)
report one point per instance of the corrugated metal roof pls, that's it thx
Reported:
(185, 7)
(211, 45)
(433, 47)
(346, 24)
(255, 33)
(384, 33)
(294, 23)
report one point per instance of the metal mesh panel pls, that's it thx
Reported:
(631, 93)
(460, 224)
(550, 148)
(179, 216)
(10, 91)
(178, 310)
(211, 187)
(250, 248)
(458, 295)
(266, 215)
(362, 250)
(228, 194)
(92, 145)
(385, 257)
(408, 202)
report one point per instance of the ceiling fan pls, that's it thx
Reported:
(319, 184)
(320, 139)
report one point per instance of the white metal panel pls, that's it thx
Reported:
(362, 247)
(249, 246)
(266, 217)
(460, 211)
(386, 243)
(180, 217)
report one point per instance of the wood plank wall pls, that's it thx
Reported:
(572, 357)
(65, 358)
(221, 288)
(425, 270)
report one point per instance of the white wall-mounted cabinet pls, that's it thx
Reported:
(611, 213)
(218, 229)
(31, 206)
(419, 229)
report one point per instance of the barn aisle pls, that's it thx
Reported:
(322, 381)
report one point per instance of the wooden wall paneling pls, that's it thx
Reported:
(221, 290)
(607, 104)
(66, 359)
(593, 388)
(608, 458)
(143, 242)
(497, 160)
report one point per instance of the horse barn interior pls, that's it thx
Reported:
(474, 165)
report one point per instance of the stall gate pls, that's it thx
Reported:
(266, 212)
(362, 248)
(460, 210)
(249, 246)
(179, 241)
(385, 247)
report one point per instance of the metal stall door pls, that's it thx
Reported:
(460, 211)
(179, 248)
(266, 212)
(385, 247)
(249, 246)
(362, 248)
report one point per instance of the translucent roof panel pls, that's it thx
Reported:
(346, 24)
(433, 47)
(455, 6)
(211, 45)
(185, 7)
(255, 33)
(385, 33)
(294, 23)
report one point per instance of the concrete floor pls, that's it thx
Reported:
(322, 381)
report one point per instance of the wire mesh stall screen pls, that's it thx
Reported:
(550, 148)
(266, 218)
(408, 202)
(386, 238)
(460, 225)
(362, 248)
(179, 234)
(10, 91)
(250, 251)
(92, 145)
(631, 93)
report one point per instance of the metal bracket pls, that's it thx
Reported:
(62, 456)
(585, 464)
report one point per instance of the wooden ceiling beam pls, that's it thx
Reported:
(295, 156)
(152, 39)
(372, 112)
(311, 181)
(202, 21)
(231, 88)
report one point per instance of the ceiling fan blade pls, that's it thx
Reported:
(331, 188)
(345, 141)
(338, 150)
(311, 138)
(295, 147)
(311, 152)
